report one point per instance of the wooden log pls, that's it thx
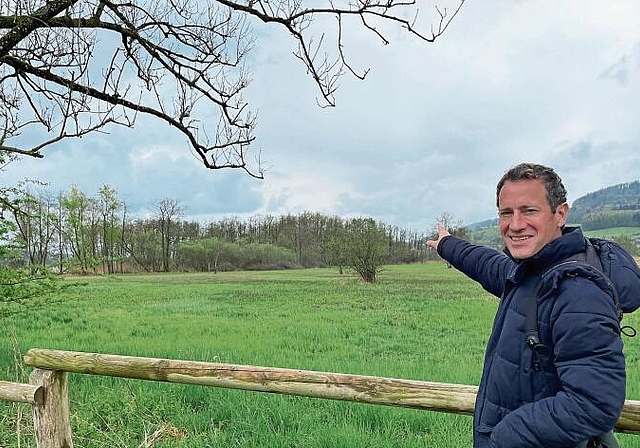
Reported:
(367, 389)
(21, 393)
(51, 419)
(629, 420)
(442, 397)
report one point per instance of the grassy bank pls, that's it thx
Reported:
(422, 322)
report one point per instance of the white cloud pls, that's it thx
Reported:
(297, 192)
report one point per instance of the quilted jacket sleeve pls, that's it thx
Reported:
(487, 266)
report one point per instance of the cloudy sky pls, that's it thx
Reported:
(430, 130)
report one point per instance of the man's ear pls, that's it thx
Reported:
(561, 214)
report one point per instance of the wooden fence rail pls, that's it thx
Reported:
(21, 393)
(452, 398)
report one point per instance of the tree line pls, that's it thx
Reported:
(612, 218)
(73, 232)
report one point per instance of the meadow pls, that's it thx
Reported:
(423, 322)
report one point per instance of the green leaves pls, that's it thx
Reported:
(21, 289)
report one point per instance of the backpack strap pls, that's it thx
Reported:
(590, 256)
(541, 353)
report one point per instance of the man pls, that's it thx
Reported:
(580, 394)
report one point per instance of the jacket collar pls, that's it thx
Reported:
(571, 242)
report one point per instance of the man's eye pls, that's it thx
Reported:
(505, 214)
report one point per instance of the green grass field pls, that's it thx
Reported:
(423, 322)
(614, 231)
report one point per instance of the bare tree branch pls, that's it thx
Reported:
(24, 25)
(74, 67)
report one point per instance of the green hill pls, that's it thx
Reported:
(616, 206)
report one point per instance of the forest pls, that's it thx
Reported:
(74, 232)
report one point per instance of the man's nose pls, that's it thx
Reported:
(517, 221)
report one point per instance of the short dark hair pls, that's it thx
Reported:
(556, 193)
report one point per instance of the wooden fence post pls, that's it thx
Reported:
(51, 419)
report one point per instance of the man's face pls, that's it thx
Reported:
(527, 223)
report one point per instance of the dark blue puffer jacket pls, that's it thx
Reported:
(581, 394)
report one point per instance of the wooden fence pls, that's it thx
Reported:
(48, 388)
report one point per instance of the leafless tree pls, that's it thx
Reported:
(73, 67)
(168, 212)
(453, 225)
